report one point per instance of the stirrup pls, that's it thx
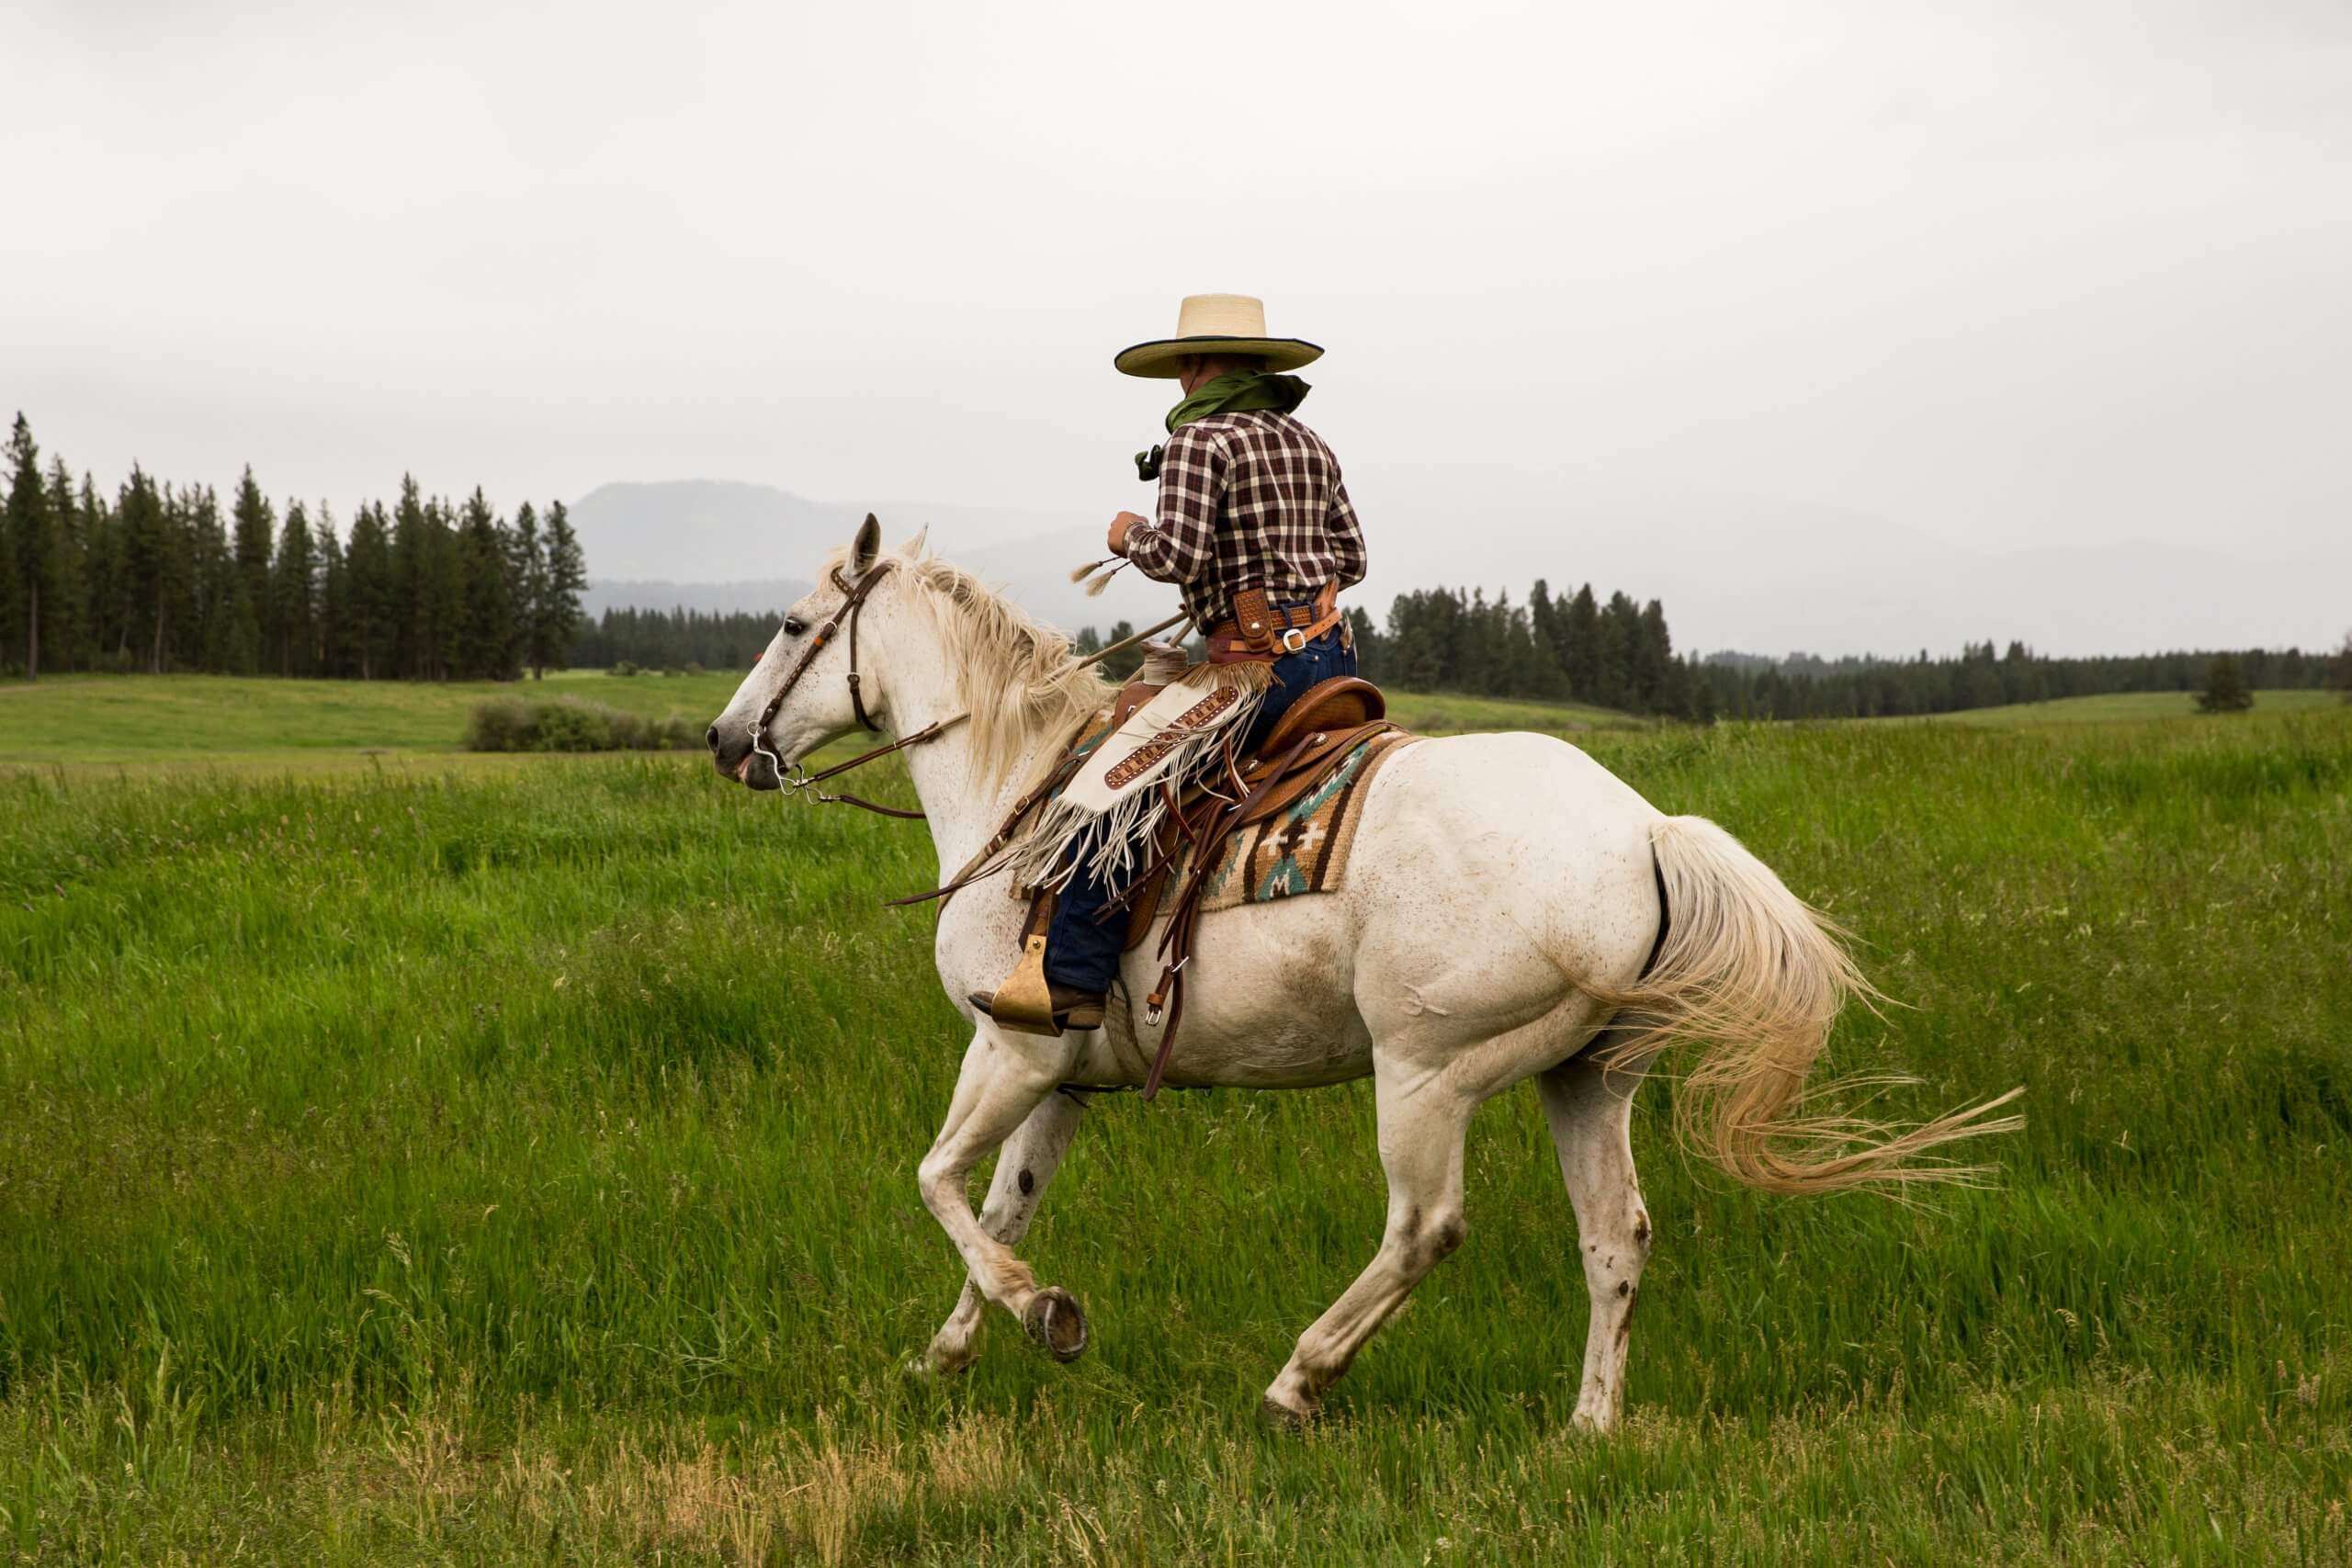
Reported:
(1025, 1003)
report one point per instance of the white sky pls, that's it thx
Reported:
(2007, 274)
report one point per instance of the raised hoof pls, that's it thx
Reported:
(1282, 1417)
(1055, 1321)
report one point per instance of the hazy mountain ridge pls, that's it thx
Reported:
(1733, 572)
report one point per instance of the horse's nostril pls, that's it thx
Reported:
(710, 738)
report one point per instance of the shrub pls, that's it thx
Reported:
(566, 726)
(626, 667)
(501, 724)
(694, 667)
(508, 723)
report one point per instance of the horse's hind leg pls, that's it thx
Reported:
(1004, 1078)
(1589, 1108)
(1421, 1131)
(1026, 1162)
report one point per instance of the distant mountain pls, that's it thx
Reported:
(690, 531)
(1734, 571)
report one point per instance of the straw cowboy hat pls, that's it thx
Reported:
(1216, 324)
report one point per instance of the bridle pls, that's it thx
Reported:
(794, 778)
(854, 596)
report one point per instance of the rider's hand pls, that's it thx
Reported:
(1119, 527)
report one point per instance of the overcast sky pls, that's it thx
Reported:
(2005, 273)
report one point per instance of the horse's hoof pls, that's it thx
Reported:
(1055, 1321)
(1283, 1417)
(932, 1367)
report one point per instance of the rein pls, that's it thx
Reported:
(853, 602)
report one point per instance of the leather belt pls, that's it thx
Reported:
(1259, 631)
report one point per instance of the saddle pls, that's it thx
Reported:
(1310, 741)
(1299, 753)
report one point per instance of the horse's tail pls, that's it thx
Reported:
(1752, 976)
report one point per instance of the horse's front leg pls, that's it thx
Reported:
(1030, 1159)
(1005, 1077)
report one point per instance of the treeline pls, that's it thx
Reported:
(1617, 654)
(1801, 686)
(673, 640)
(161, 578)
(1611, 653)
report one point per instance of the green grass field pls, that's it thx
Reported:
(2124, 706)
(516, 1163)
(111, 723)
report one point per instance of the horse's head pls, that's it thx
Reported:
(805, 690)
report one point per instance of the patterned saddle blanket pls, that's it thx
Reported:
(1302, 848)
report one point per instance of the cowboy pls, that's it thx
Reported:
(1254, 528)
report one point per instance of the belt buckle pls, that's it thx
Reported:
(1294, 632)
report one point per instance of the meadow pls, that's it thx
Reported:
(113, 724)
(511, 1159)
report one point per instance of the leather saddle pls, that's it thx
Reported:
(1310, 739)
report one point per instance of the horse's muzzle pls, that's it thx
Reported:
(736, 758)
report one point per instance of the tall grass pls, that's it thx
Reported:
(521, 1167)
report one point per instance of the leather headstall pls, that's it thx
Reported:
(854, 597)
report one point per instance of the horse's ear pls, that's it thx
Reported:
(912, 548)
(866, 548)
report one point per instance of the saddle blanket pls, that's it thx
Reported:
(1302, 848)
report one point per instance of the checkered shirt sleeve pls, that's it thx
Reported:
(1180, 544)
(1248, 498)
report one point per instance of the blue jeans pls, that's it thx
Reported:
(1081, 948)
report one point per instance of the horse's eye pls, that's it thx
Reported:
(794, 625)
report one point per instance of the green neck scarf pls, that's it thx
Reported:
(1233, 393)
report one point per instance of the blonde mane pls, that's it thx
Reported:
(1015, 675)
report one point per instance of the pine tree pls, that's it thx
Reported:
(147, 568)
(106, 579)
(1580, 644)
(293, 593)
(486, 635)
(528, 570)
(65, 609)
(2225, 688)
(223, 621)
(1657, 675)
(25, 546)
(375, 594)
(249, 632)
(1617, 635)
(555, 619)
(335, 596)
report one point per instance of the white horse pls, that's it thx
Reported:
(1512, 911)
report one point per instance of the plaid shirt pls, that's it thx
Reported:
(1248, 500)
